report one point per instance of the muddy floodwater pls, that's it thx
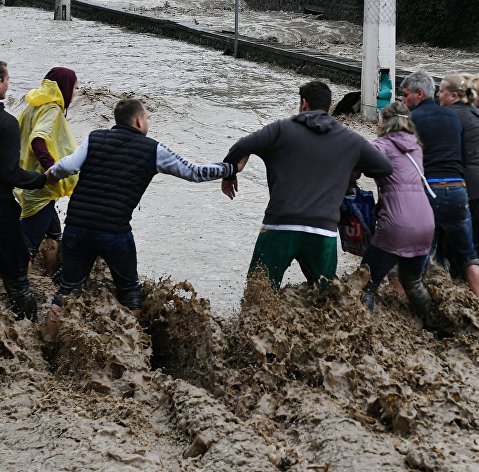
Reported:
(339, 38)
(199, 102)
(292, 381)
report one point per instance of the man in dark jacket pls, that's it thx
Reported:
(117, 166)
(442, 135)
(309, 159)
(14, 254)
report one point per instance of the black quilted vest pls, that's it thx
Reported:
(119, 167)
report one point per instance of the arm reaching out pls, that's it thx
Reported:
(168, 162)
(51, 179)
(68, 165)
(373, 163)
(230, 187)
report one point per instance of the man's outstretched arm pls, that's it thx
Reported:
(229, 186)
(168, 162)
(373, 163)
(68, 165)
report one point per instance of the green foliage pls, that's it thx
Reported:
(439, 22)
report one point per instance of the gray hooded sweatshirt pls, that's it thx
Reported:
(309, 159)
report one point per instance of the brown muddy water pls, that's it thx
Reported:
(339, 38)
(300, 380)
(200, 102)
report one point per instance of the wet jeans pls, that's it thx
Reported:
(44, 223)
(80, 249)
(453, 223)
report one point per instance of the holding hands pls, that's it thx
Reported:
(230, 187)
(51, 179)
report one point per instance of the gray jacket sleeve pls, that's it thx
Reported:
(255, 143)
(373, 163)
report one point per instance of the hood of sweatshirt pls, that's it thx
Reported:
(318, 121)
(405, 142)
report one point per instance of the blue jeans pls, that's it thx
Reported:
(381, 262)
(80, 249)
(453, 223)
(41, 224)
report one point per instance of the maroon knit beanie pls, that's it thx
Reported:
(66, 80)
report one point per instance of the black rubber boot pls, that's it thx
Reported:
(418, 296)
(368, 296)
(21, 297)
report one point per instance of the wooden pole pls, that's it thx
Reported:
(62, 10)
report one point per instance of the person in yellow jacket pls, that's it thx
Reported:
(46, 137)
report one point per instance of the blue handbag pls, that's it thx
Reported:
(357, 224)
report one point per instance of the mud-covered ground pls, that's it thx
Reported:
(297, 381)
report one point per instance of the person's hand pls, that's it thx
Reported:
(51, 179)
(242, 163)
(229, 188)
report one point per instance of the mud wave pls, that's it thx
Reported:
(297, 380)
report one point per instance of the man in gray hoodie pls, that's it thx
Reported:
(309, 159)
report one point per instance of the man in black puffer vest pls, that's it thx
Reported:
(100, 210)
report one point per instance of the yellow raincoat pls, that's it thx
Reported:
(44, 118)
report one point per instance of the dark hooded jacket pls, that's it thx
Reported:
(11, 174)
(469, 116)
(309, 159)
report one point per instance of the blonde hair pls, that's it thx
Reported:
(461, 84)
(473, 84)
(396, 117)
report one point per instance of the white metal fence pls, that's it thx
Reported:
(380, 11)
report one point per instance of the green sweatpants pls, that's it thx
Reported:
(276, 249)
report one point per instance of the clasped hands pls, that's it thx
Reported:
(230, 187)
(51, 179)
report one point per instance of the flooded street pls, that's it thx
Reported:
(295, 381)
(338, 38)
(200, 102)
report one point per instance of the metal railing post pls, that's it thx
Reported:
(62, 10)
(235, 49)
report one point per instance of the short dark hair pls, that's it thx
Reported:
(126, 110)
(3, 70)
(317, 94)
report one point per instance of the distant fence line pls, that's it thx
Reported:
(304, 61)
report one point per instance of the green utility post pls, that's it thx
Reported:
(379, 56)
